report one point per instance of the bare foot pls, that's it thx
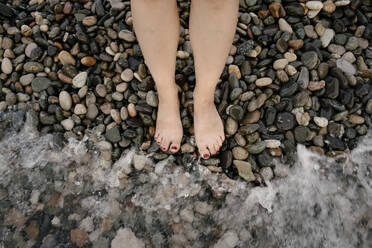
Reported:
(169, 129)
(208, 126)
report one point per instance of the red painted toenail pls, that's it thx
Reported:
(205, 156)
(158, 142)
(174, 147)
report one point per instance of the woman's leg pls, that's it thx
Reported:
(156, 25)
(212, 28)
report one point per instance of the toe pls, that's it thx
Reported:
(158, 140)
(217, 147)
(204, 152)
(174, 147)
(212, 150)
(165, 145)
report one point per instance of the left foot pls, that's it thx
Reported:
(208, 126)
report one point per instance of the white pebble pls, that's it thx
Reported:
(321, 121)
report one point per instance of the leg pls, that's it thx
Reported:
(156, 25)
(212, 29)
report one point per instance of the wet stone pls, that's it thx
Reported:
(285, 121)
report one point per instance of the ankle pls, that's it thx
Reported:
(167, 93)
(203, 97)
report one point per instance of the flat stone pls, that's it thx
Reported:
(231, 126)
(80, 109)
(244, 170)
(272, 143)
(280, 64)
(33, 67)
(345, 66)
(262, 82)
(152, 99)
(252, 117)
(257, 147)
(314, 5)
(240, 153)
(40, 83)
(68, 124)
(127, 35)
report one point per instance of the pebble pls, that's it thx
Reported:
(327, 37)
(6, 66)
(345, 66)
(321, 121)
(127, 75)
(127, 35)
(284, 26)
(152, 99)
(80, 109)
(262, 82)
(314, 5)
(66, 58)
(228, 240)
(285, 121)
(356, 119)
(68, 124)
(310, 59)
(272, 143)
(65, 100)
(245, 170)
(80, 79)
(280, 64)
(92, 111)
(78, 237)
(257, 147)
(231, 126)
(240, 153)
(40, 83)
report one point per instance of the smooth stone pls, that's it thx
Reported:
(113, 134)
(33, 67)
(356, 119)
(257, 147)
(229, 239)
(66, 58)
(310, 59)
(127, 75)
(285, 121)
(40, 83)
(26, 79)
(80, 79)
(262, 82)
(92, 111)
(272, 143)
(301, 133)
(314, 5)
(68, 124)
(240, 153)
(345, 66)
(321, 121)
(327, 37)
(6, 66)
(65, 100)
(152, 99)
(252, 117)
(284, 26)
(244, 170)
(80, 109)
(127, 35)
(231, 126)
(280, 64)
(236, 112)
(303, 78)
(10, 98)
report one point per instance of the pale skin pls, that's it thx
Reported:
(212, 28)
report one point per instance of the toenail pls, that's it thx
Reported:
(174, 147)
(158, 142)
(205, 156)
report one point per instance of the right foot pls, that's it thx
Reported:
(169, 129)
